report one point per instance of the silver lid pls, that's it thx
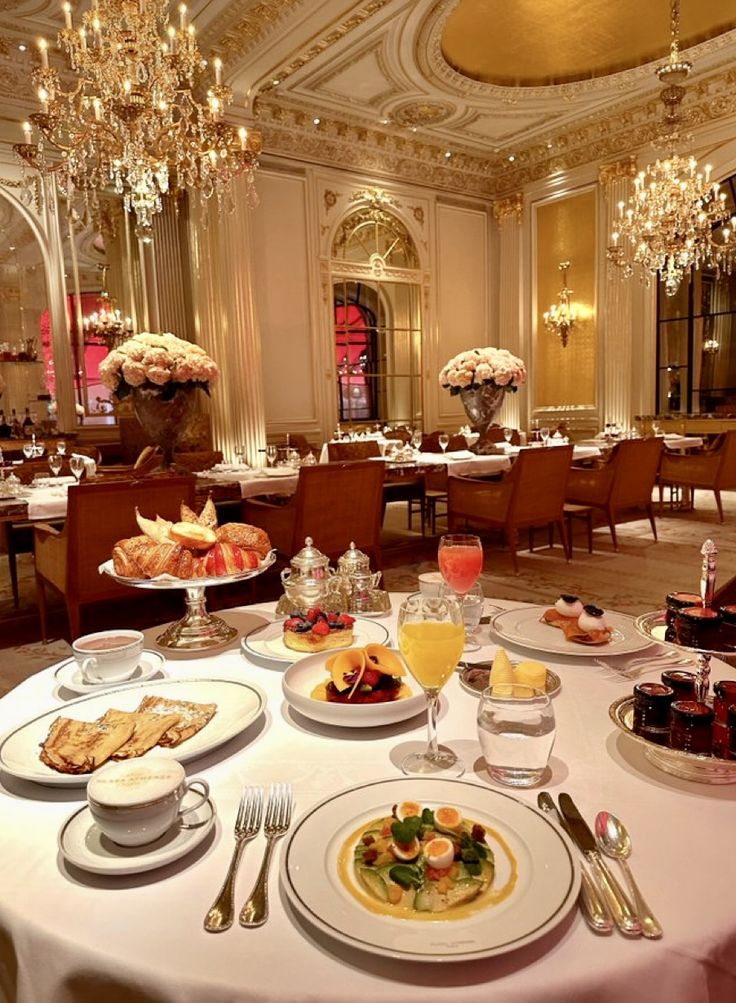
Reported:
(353, 560)
(309, 558)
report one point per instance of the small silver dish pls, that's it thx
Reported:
(474, 678)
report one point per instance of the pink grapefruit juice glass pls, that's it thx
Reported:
(460, 558)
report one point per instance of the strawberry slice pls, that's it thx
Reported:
(321, 628)
(313, 614)
(292, 623)
(346, 619)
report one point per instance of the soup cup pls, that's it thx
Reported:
(108, 656)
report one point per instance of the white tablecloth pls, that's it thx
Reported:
(48, 501)
(578, 452)
(252, 482)
(67, 936)
(384, 443)
(682, 443)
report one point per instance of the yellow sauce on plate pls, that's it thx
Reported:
(490, 896)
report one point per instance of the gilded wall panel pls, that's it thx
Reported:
(566, 231)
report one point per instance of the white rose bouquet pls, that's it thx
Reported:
(157, 362)
(482, 367)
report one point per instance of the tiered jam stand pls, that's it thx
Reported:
(197, 630)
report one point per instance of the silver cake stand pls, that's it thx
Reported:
(197, 630)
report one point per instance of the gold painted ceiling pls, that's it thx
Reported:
(451, 94)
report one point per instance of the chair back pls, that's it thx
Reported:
(726, 477)
(337, 503)
(101, 513)
(360, 450)
(540, 479)
(636, 462)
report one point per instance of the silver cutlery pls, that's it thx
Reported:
(247, 823)
(613, 839)
(621, 909)
(591, 902)
(278, 819)
(637, 666)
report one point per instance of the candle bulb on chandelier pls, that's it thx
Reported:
(27, 132)
(97, 28)
(97, 105)
(43, 47)
(243, 133)
(67, 8)
(83, 39)
(182, 16)
(172, 39)
(217, 63)
(43, 97)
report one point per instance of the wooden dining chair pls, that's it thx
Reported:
(712, 469)
(335, 504)
(531, 494)
(362, 449)
(624, 481)
(99, 513)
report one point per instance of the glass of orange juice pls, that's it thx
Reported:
(431, 639)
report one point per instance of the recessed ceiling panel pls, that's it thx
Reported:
(501, 128)
(538, 42)
(360, 80)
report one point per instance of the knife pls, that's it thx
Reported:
(621, 909)
(591, 902)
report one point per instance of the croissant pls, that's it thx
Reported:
(245, 536)
(126, 553)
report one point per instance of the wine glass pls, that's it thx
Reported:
(28, 450)
(544, 434)
(444, 441)
(471, 608)
(460, 557)
(61, 447)
(431, 638)
(508, 435)
(76, 464)
(38, 449)
(271, 454)
(240, 454)
(416, 438)
(55, 463)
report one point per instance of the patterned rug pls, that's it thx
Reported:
(632, 580)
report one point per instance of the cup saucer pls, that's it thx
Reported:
(69, 675)
(83, 844)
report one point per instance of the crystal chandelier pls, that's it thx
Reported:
(673, 222)
(131, 118)
(561, 316)
(109, 325)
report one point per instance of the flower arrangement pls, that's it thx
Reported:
(478, 367)
(159, 362)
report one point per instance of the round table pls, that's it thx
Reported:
(66, 935)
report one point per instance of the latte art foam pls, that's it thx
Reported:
(136, 782)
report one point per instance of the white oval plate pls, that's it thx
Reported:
(69, 675)
(238, 705)
(280, 472)
(268, 642)
(546, 890)
(301, 678)
(524, 628)
(83, 844)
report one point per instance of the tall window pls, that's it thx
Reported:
(696, 342)
(376, 318)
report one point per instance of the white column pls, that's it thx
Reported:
(508, 212)
(66, 415)
(618, 392)
(226, 325)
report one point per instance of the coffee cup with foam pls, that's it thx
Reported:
(137, 801)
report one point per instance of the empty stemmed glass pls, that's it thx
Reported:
(416, 439)
(28, 450)
(544, 435)
(471, 608)
(431, 639)
(61, 447)
(55, 463)
(508, 434)
(76, 464)
(240, 454)
(271, 454)
(444, 441)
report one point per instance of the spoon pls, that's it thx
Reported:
(613, 839)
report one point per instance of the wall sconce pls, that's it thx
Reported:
(711, 346)
(561, 316)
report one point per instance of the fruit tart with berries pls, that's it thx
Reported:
(317, 630)
(372, 674)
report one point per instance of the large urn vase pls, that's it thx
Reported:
(164, 417)
(481, 406)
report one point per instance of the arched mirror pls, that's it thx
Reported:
(26, 358)
(377, 321)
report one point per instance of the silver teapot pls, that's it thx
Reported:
(305, 581)
(354, 567)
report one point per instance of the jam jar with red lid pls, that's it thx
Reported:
(675, 602)
(652, 711)
(724, 698)
(683, 683)
(697, 627)
(691, 727)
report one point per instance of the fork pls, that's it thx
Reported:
(278, 820)
(247, 824)
(638, 666)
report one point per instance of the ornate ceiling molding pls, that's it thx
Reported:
(609, 173)
(234, 32)
(509, 208)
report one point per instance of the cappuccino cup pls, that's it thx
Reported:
(430, 583)
(108, 656)
(137, 801)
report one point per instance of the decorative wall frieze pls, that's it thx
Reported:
(235, 32)
(608, 173)
(509, 208)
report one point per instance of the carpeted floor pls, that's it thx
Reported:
(634, 579)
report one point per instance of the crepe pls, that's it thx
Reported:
(147, 731)
(192, 717)
(572, 631)
(81, 746)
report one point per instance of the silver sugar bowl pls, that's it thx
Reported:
(354, 567)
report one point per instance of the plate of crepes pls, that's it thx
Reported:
(429, 870)
(195, 550)
(303, 634)
(181, 718)
(569, 627)
(353, 687)
(503, 672)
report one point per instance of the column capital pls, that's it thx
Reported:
(620, 170)
(509, 208)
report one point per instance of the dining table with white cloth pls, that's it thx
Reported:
(68, 936)
(252, 481)
(579, 452)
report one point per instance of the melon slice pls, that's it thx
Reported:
(384, 659)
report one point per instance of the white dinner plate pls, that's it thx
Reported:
(525, 629)
(239, 703)
(546, 888)
(83, 843)
(301, 678)
(69, 675)
(268, 642)
(280, 472)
